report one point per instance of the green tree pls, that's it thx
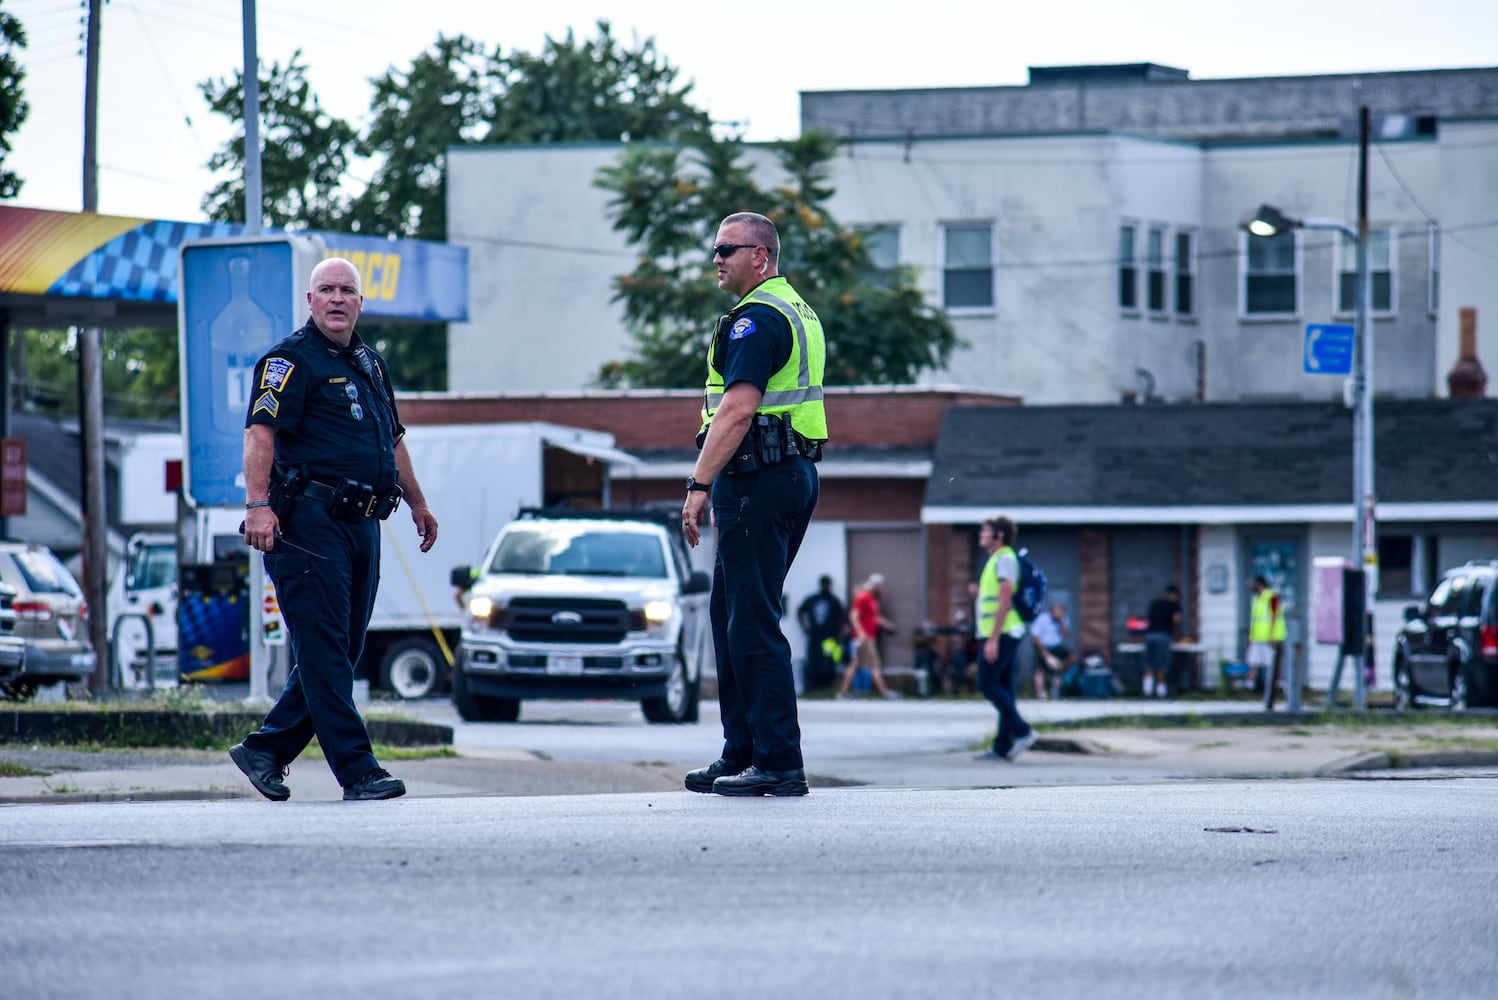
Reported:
(454, 94)
(305, 152)
(445, 99)
(591, 91)
(668, 202)
(139, 369)
(13, 106)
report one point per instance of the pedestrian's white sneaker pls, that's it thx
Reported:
(1022, 744)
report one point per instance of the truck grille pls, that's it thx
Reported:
(577, 619)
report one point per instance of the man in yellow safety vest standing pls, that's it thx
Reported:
(763, 427)
(1266, 637)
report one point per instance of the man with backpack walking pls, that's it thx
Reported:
(1001, 629)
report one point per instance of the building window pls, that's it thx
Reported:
(1380, 272)
(1406, 564)
(1185, 271)
(883, 246)
(1433, 298)
(1128, 269)
(967, 276)
(1154, 259)
(1269, 285)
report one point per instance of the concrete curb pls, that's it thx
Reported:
(1434, 757)
(145, 727)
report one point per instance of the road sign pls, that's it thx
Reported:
(1328, 349)
(238, 298)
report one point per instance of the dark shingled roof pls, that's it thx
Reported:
(1426, 451)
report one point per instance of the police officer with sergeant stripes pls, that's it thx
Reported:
(763, 426)
(324, 462)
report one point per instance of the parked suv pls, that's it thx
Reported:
(583, 604)
(50, 615)
(1447, 648)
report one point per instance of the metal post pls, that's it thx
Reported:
(260, 655)
(1365, 530)
(253, 198)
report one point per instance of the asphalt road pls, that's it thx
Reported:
(1358, 888)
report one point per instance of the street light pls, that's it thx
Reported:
(1269, 221)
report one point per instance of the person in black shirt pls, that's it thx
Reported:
(324, 462)
(1163, 624)
(821, 617)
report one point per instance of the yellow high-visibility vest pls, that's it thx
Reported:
(1263, 624)
(988, 596)
(796, 389)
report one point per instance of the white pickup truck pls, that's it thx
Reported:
(583, 604)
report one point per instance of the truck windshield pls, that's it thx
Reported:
(153, 566)
(579, 550)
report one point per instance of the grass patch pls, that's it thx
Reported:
(1300, 724)
(1451, 743)
(385, 752)
(9, 770)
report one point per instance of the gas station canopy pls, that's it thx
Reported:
(74, 267)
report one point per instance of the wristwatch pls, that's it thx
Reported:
(694, 485)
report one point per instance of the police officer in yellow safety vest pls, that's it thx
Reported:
(763, 427)
(1266, 637)
(1000, 631)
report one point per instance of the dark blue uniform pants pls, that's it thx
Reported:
(762, 517)
(997, 681)
(326, 603)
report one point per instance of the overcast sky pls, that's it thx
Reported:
(749, 62)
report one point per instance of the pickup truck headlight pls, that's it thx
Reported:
(657, 612)
(484, 613)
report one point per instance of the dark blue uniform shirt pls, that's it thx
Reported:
(332, 408)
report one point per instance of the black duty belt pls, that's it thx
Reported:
(352, 501)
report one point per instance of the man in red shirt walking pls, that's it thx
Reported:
(867, 621)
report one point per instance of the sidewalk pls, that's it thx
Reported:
(1090, 753)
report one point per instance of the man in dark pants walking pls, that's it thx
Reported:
(765, 426)
(1001, 630)
(324, 462)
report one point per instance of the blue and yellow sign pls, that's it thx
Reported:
(89, 256)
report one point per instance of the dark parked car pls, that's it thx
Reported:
(1447, 649)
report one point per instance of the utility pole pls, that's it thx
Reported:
(91, 391)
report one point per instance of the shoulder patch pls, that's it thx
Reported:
(277, 371)
(742, 328)
(268, 404)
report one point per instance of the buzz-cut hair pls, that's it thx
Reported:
(761, 230)
(327, 261)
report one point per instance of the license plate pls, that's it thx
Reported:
(564, 666)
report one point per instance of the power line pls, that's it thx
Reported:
(1421, 208)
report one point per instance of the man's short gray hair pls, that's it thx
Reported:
(761, 230)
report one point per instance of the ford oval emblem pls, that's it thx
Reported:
(567, 619)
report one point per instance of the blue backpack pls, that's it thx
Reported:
(1029, 594)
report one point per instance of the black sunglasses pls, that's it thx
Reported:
(727, 250)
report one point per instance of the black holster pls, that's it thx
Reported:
(286, 485)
